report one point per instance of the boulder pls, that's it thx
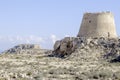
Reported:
(57, 45)
(63, 47)
(75, 43)
(66, 39)
(66, 46)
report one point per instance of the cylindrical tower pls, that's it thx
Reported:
(98, 25)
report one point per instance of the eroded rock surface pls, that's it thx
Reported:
(68, 45)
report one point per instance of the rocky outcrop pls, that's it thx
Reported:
(27, 46)
(64, 47)
(68, 45)
(23, 48)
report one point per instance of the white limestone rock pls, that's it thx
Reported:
(57, 45)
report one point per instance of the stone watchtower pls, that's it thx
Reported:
(98, 25)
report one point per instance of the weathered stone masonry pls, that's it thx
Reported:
(98, 25)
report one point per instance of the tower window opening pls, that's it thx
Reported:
(89, 21)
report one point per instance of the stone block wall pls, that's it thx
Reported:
(98, 25)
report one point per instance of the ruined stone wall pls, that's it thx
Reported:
(98, 25)
(24, 48)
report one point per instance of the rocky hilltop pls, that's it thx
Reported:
(105, 46)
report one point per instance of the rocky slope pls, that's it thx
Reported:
(68, 45)
(80, 59)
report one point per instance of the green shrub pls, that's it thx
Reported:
(29, 73)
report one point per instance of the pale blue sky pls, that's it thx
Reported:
(43, 21)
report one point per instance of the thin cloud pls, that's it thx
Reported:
(45, 42)
(53, 38)
(22, 39)
(67, 35)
